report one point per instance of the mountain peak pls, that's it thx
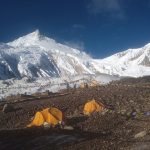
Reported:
(36, 33)
(29, 39)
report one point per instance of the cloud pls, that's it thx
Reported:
(75, 44)
(112, 8)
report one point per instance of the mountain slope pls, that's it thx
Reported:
(132, 62)
(34, 55)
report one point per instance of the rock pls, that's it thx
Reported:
(141, 146)
(68, 128)
(147, 113)
(46, 125)
(123, 111)
(133, 114)
(105, 111)
(140, 134)
(131, 101)
(7, 108)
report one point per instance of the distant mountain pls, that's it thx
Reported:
(132, 62)
(34, 55)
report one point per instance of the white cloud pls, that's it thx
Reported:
(75, 44)
(106, 7)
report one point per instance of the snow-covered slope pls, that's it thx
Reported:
(132, 62)
(34, 56)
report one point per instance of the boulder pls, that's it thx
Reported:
(7, 108)
(140, 134)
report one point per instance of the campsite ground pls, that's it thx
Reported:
(115, 129)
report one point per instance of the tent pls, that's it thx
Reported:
(83, 85)
(92, 106)
(94, 83)
(52, 116)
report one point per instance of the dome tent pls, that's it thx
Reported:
(94, 83)
(52, 116)
(92, 106)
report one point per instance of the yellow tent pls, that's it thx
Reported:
(94, 83)
(84, 85)
(92, 106)
(52, 116)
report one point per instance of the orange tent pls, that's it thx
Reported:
(52, 116)
(94, 83)
(82, 85)
(92, 106)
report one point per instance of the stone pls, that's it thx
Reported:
(68, 128)
(46, 125)
(140, 134)
(7, 108)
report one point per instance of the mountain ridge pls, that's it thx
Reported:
(35, 55)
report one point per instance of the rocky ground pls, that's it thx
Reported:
(116, 129)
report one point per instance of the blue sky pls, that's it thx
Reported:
(100, 27)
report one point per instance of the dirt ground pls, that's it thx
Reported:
(114, 130)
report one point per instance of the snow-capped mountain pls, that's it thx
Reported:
(132, 62)
(34, 55)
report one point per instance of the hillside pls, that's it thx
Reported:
(110, 130)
